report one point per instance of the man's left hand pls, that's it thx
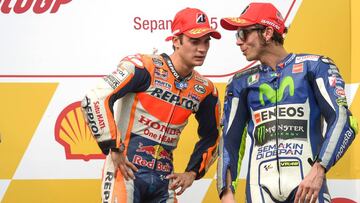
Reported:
(183, 180)
(309, 187)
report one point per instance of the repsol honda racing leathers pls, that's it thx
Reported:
(154, 104)
(282, 111)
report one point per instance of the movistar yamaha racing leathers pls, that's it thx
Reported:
(283, 112)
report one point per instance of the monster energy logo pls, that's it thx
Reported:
(276, 95)
(283, 129)
(261, 133)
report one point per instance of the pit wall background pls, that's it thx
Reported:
(52, 51)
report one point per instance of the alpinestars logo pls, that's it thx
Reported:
(276, 95)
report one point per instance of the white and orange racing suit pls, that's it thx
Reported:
(154, 104)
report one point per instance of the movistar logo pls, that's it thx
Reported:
(272, 95)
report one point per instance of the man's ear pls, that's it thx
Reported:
(176, 42)
(269, 32)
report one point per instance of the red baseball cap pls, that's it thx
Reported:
(256, 13)
(193, 23)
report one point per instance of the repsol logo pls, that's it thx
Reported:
(175, 99)
(38, 6)
(282, 112)
(108, 183)
(90, 117)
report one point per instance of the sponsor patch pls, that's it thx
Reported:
(257, 118)
(268, 167)
(181, 85)
(332, 81)
(116, 77)
(202, 80)
(172, 98)
(200, 18)
(162, 84)
(339, 91)
(121, 74)
(289, 163)
(341, 101)
(346, 141)
(282, 149)
(333, 70)
(254, 78)
(135, 59)
(200, 89)
(194, 97)
(327, 60)
(161, 73)
(157, 62)
(298, 68)
(300, 59)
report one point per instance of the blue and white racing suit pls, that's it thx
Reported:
(283, 112)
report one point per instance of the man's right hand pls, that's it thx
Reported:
(228, 196)
(126, 167)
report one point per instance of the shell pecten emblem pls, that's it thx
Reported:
(72, 132)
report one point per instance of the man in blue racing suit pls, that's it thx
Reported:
(281, 104)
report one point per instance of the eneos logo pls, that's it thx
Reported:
(39, 6)
(73, 133)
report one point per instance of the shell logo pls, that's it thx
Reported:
(73, 133)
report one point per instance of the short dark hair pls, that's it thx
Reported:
(181, 36)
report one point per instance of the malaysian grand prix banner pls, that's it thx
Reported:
(52, 51)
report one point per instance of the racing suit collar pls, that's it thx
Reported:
(288, 59)
(173, 70)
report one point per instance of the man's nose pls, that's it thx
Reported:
(239, 41)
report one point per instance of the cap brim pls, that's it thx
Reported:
(169, 38)
(234, 23)
(199, 32)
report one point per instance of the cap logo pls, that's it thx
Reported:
(267, 22)
(238, 20)
(200, 18)
(197, 30)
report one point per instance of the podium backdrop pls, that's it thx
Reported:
(52, 51)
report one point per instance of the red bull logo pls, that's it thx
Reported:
(72, 132)
(156, 151)
(161, 73)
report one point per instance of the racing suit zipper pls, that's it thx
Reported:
(171, 113)
(277, 80)
(167, 126)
